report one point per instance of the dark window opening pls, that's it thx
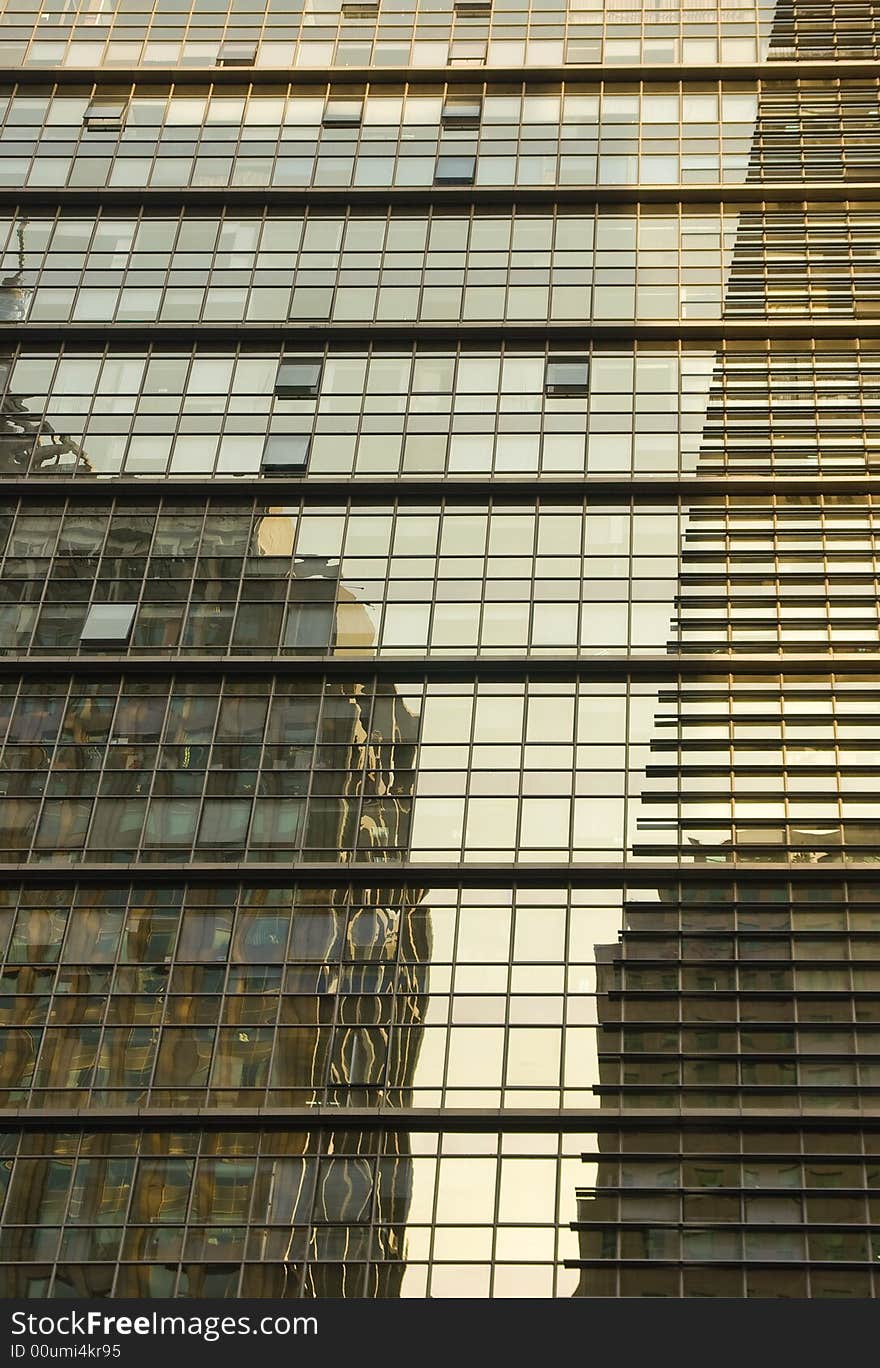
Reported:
(237, 54)
(104, 114)
(343, 113)
(455, 170)
(462, 111)
(285, 453)
(299, 377)
(567, 375)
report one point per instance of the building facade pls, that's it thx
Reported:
(439, 629)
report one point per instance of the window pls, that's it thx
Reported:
(455, 170)
(237, 54)
(285, 454)
(465, 53)
(104, 114)
(567, 375)
(360, 9)
(462, 111)
(343, 113)
(473, 6)
(108, 624)
(354, 54)
(299, 377)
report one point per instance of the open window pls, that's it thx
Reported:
(299, 377)
(237, 54)
(108, 625)
(105, 115)
(360, 9)
(285, 453)
(340, 113)
(461, 111)
(455, 170)
(473, 6)
(567, 375)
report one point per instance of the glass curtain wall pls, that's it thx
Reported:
(469, 472)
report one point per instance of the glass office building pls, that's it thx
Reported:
(439, 624)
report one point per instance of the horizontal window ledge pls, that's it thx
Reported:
(569, 1120)
(702, 1261)
(499, 488)
(766, 192)
(739, 1190)
(787, 994)
(730, 1091)
(494, 874)
(619, 73)
(457, 668)
(774, 934)
(713, 331)
(751, 1056)
(773, 769)
(732, 994)
(561, 665)
(300, 1118)
(722, 1156)
(707, 1223)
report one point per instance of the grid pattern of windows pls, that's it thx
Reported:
(307, 780)
(320, 33)
(320, 1214)
(287, 1213)
(601, 265)
(602, 889)
(361, 780)
(572, 135)
(411, 412)
(745, 409)
(305, 135)
(756, 575)
(418, 265)
(800, 264)
(755, 1213)
(410, 580)
(825, 29)
(232, 996)
(823, 133)
(760, 770)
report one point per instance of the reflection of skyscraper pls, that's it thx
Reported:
(243, 996)
(361, 424)
(729, 1026)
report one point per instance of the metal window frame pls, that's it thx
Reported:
(329, 120)
(105, 115)
(461, 178)
(237, 58)
(562, 389)
(293, 467)
(471, 107)
(107, 641)
(291, 390)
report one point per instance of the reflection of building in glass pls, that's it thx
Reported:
(232, 996)
(738, 1040)
(422, 558)
(27, 439)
